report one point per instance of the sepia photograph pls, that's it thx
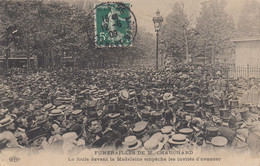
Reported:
(130, 82)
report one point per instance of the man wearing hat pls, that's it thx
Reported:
(168, 116)
(253, 138)
(55, 133)
(227, 132)
(141, 131)
(93, 132)
(7, 138)
(37, 139)
(76, 122)
(21, 137)
(56, 117)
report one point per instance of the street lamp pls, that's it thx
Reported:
(157, 20)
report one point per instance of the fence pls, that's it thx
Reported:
(245, 71)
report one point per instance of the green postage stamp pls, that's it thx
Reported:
(114, 23)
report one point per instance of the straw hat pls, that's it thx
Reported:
(3, 111)
(139, 128)
(186, 131)
(177, 139)
(124, 95)
(76, 112)
(48, 106)
(219, 141)
(167, 96)
(56, 112)
(62, 107)
(114, 115)
(145, 93)
(153, 145)
(6, 121)
(161, 138)
(132, 143)
(168, 130)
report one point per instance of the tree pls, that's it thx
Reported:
(51, 29)
(175, 33)
(214, 28)
(249, 22)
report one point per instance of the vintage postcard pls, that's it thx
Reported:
(130, 82)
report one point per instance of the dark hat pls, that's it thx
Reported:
(145, 114)
(234, 103)
(200, 113)
(211, 131)
(156, 116)
(105, 120)
(224, 113)
(189, 107)
(140, 106)
(76, 105)
(77, 129)
(128, 117)
(187, 101)
(244, 113)
(123, 130)
(110, 135)
(11, 106)
(116, 124)
(36, 133)
(98, 143)
(208, 104)
(92, 115)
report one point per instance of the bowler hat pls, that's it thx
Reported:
(36, 133)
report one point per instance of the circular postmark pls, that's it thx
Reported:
(113, 25)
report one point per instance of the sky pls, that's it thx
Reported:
(145, 10)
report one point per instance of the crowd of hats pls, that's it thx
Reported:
(178, 108)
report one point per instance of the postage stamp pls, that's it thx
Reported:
(115, 25)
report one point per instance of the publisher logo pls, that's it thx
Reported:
(14, 159)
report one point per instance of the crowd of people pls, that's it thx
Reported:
(180, 107)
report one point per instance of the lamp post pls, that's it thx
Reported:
(157, 20)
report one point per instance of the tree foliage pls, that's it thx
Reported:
(249, 22)
(213, 30)
(214, 26)
(175, 33)
(52, 29)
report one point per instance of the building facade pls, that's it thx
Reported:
(247, 51)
